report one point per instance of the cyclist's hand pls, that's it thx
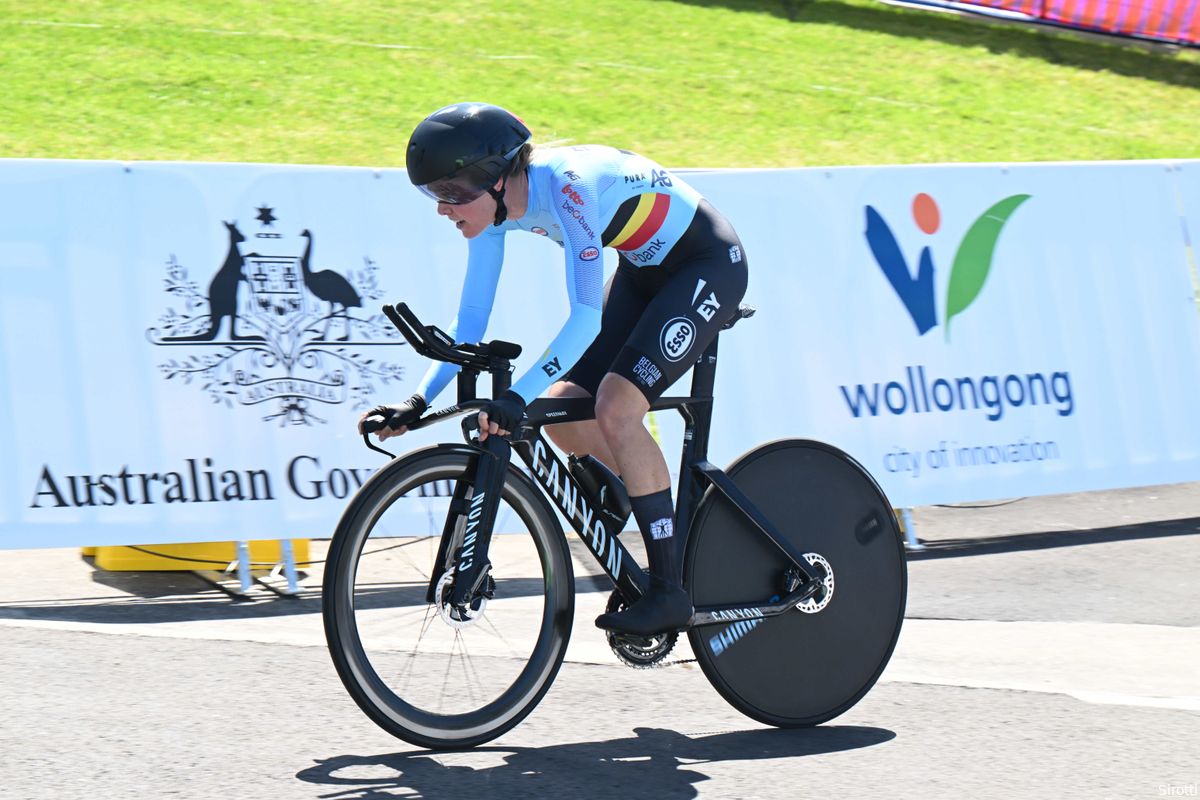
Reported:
(397, 417)
(502, 415)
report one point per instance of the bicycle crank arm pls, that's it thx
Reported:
(723, 615)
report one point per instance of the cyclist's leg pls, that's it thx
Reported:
(694, 296)
(624, 302)
(580, 438)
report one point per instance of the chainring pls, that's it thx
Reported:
(639, 652)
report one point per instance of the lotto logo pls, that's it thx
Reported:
(735, 254)
(574, 196)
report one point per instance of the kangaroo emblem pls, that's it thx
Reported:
(223, 295)
(331, 287)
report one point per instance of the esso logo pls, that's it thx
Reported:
(540, 231)
(676, 338)
(589, 254)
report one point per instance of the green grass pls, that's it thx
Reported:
(688, 83)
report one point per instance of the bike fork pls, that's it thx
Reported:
(470, 560)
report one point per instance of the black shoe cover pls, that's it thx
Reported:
(662, 608)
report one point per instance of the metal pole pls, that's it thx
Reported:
(911, 541)
(289, 565)
(243, 560)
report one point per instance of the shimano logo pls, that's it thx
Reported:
(731, 635)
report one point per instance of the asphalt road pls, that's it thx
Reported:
(1052, 648)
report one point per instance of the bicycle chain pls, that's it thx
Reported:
(655, 665)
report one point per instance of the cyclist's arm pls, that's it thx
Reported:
(485, 255)
(579, 217)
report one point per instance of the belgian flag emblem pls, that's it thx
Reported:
(643, 216)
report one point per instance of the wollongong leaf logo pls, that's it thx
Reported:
(968, 272)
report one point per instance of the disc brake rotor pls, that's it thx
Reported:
(818, 602)
(457, 617)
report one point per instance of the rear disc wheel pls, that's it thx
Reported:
(815, 661)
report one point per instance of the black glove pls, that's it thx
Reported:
(405, 413)
(506, 410)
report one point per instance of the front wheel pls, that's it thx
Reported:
(427, 672)
(815, 661)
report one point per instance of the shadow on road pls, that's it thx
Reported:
(653, 763)
(957, 548)
(162, 597)
(157, 597)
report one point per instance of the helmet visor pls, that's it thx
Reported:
(456, 190)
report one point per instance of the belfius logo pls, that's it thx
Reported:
(920, 391)
(968, 273)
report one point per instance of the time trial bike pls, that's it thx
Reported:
(793, 559)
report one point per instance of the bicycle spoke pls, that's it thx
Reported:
(404, 660)
(468, 666)
(501, 637)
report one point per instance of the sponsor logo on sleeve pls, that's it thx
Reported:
(540, 231)
(574, 213)
(569, 191)
(589, 254)
(735, 254)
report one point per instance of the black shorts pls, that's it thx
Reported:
(658, 320)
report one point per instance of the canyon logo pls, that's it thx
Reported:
(968, 271)
(267, 329)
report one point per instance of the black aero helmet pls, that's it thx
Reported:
(459, 152)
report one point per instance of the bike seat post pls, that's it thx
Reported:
(704, 373)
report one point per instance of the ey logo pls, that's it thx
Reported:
(972, 261)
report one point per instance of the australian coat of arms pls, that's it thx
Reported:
(271, 329)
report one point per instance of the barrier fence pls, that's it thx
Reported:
(185, 348)
(1172, 22)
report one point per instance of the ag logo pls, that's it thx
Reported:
(266, 328)
(676, 338)
(972, 260)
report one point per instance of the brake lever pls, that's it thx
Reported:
(368, 429)
(376, 448)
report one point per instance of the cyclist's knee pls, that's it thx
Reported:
(619, 404)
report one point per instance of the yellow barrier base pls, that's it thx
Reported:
(195, 555)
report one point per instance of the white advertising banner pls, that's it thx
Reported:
(972, 332)
(184, 348)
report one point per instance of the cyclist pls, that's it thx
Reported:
(681, 273)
